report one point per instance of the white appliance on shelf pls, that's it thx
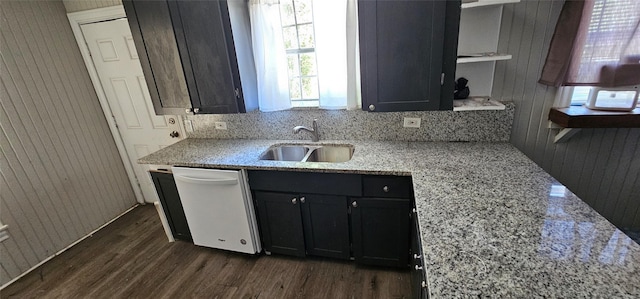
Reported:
(218, 208)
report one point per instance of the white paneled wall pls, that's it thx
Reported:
(61, 175)
(602, 166)
(78, 5)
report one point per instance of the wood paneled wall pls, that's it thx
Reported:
(61, 175)
(79, 5)
(601, 166)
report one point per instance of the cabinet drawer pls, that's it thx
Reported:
(387, 186)
(306, 182)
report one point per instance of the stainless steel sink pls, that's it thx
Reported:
(285, 153)
(309, 153)
(332, 154)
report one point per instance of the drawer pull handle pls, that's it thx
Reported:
(423, 284)
(385, 188)
(302, 199)
(294, 200)
(354, 204)
(418, 268)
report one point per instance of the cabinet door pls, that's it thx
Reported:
(212, 74)
(152, 31)
(326, 225)
(280, 223)
(417, 267)
(380, 231)
(171, 204)
(401, 54)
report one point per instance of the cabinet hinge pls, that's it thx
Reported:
(237, 91)
(442, 79)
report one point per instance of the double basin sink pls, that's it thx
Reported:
(309, 153)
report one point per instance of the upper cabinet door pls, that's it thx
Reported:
(402, 57)
(152, 31)
(206, 42)
(188, 54)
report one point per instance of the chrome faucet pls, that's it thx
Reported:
(315, 136)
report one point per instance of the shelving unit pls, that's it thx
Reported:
(478, 3)
(482, 58)
(479, 32)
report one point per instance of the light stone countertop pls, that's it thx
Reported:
(492, 223)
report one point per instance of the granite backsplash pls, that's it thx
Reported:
(485, 125)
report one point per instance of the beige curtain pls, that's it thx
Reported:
(596, 43)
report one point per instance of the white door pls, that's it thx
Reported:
(116, 61)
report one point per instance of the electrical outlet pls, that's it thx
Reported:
(188, 125)
(411, 122)
(220, 125)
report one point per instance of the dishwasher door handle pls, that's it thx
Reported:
(231, 181)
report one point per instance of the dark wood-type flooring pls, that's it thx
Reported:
(131, 258)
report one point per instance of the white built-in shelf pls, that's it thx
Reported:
(480, 3)
(481, 57)
(477, 103)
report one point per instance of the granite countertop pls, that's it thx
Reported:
(492, 223)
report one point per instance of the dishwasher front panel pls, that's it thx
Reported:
(218, 208)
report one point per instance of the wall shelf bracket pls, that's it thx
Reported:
(563, 134)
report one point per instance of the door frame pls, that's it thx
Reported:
(76, 19)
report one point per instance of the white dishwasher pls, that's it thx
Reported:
(218, 208)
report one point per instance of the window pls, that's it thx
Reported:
(296, 17)
(608, 40)
(580, 95)
(305, 53)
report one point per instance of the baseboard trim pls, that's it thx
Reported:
(66, 248)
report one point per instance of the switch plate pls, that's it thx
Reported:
(411, 122)
(220, 125)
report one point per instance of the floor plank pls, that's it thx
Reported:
(131, 258)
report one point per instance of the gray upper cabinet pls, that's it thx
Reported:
(188, 55)
(407, 54)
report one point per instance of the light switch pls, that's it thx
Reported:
(411, 122)
(220, 125)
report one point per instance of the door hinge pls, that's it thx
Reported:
(442, 79)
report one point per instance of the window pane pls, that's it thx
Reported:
(292, 65)
(303, 11)
(310, 88)
(580, 95)
(305, 33)
(286, 13)
(308, 64)
(290, 37)
(294, 88)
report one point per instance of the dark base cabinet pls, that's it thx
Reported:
(326, 225)
(418, 278)
(380, 228)
(335, 215)
(280, 223)
(171, 204)
(299, 225)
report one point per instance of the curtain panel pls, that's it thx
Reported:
(595, 43)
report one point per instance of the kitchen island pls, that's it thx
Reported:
(492, 223)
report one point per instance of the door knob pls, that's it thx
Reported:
(294, 200)
(174, 134)
(372, 107)
(385, 188)
(354, 204)
(302, 199)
